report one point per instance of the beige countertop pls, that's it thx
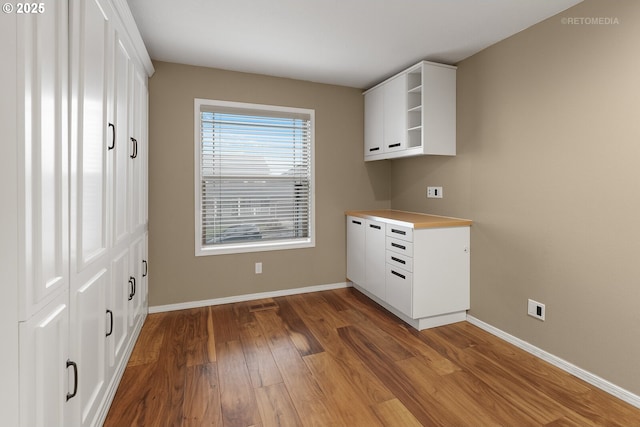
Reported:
(411, 219)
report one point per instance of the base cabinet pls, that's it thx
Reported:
(421, 275)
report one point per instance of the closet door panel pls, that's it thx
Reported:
(88, 332)
(44, 377)
(44, 216)
(120, 203)
(88, 152)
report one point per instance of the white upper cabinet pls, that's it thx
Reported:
(412, 113)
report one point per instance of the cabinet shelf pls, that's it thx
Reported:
(417, 89)
(415, 128)
(417, 108)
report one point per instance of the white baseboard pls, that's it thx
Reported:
(247, 297)
(576, 371)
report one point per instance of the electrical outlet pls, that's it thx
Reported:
(536, 309)
(258, 268)
(434, 192)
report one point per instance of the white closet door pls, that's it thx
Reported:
(43, 150)
(117, 300)
(88, 336)
(45, 379)
(120, 144)
(88, 169)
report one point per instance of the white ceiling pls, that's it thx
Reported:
(354, 43)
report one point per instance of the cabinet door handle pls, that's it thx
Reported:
(132, 287)
(377, 227)
(113, 137)
(395, 245)
(401, 261)
(75, 379)
(110, 313)
(402, 276)
(393, 230)
(134, 153)
(374, 149)
(356, 222)
(397, 144)
(146, 268)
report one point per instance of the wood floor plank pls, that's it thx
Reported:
(237, 399)
(199, 337)
(517, 390)
(324, 326)
(147, 349)
(133, 398)
(201, 405)
(276, 407)
(259, 358)
(306, 394)
(340, 392)
(462, 394)
(303, 339)
(393, 413)
(381, 365)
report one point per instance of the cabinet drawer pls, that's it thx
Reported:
(400, 232)
(400, 260)
(399, 285)
(399, 246)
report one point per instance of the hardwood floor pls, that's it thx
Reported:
(337, 359)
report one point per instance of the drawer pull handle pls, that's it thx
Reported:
(377, 227)
(401, 261)
(393, 230)
(356, 222)
(395, 245)
(374, 149)
(397, 144)
(402, 276)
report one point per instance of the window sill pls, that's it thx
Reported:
(238, 248)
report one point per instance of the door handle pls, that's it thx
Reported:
(110, 313)
(75, 379)
(113, 137)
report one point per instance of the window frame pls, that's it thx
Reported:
(255, 246)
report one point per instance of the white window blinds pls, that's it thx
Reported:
(255, 176)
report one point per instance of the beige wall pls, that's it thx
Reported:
(343, 181)
(549, 170)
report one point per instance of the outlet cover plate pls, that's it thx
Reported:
(536, 309)
(434, 192)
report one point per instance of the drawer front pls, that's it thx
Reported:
(400, 232)
(399, 285)
(400, 246)
(400, 260)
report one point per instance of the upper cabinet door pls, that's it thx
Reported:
(43, 149)
(373, 122)
(395, 114)
(89, 131)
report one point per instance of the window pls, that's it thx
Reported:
(254, 177)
